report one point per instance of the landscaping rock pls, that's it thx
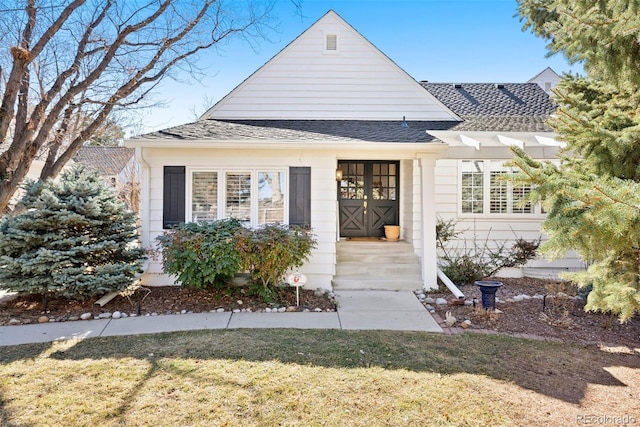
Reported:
(429, 300)
(468, 302)
(14, 322)
(441, 301)
(73, 318)
(236, 310)
(43, 319)
(291, 308)
(220, 310)
(116, 315)
(86, 316)
(282, 310)
(106, 315)
(267, 310)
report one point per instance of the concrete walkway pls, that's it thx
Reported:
(357, 310)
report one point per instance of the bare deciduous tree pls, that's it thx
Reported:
(90, 59)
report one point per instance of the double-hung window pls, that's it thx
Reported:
(486, 189)
(255, 197)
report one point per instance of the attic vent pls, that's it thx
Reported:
(457, 85)
(499, 86)
(332, 42)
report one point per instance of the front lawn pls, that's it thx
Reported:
(308, 378)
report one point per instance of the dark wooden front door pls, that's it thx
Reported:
(368, 197)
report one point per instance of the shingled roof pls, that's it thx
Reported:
(516, 107)
(107, 161)
(512, 107)
(303, 130)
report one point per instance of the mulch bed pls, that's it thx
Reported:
(556, 318)
(159, 300)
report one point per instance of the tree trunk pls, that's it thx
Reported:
(8, 186)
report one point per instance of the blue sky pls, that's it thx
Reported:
(434, 40)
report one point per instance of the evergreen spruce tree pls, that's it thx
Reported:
(73, 238)
(593, 196)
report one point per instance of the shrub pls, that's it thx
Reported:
(468, 264)
(267, 253)
(70, 237)
(202, 254)
(210, 254)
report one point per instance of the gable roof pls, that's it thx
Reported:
(107, 161)
(308, 81)
(287, 86)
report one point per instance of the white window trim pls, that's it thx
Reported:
(222, 185)
(486, 192)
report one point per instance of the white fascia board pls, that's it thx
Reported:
(391, 147)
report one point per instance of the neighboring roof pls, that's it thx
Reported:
(546, 71)
(107, 161)
(302, 130)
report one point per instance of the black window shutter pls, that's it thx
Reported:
(300, 196)
(173, 196)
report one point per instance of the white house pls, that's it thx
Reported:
(116, 164)
(547, 79)
(330, 103)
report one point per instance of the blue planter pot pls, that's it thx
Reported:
(488, 289)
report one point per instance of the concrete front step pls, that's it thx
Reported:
(376, 283)
(388, 258)
(378, 269)
(376, 265)
(374, 247)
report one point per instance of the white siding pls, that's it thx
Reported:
(492, 229)
(320, 269)
(306, 82)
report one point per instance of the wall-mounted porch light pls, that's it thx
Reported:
(338, 174)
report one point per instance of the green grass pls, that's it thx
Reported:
(313, 378)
